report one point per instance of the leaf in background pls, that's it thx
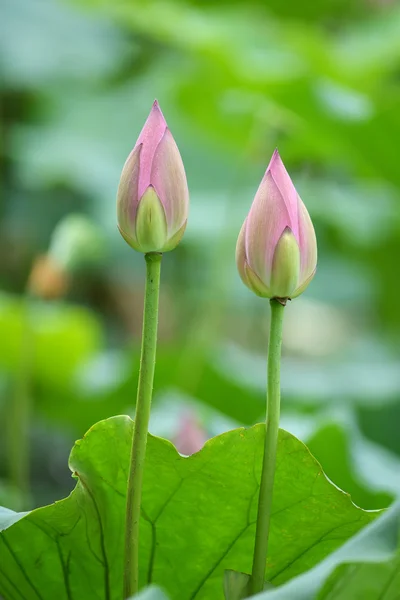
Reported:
(367, 567)
(379, 422)
(198, 518)
(332, 446)
(42, 40)
(62, 336)
(103, 386)
(366, 381)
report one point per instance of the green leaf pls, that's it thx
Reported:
(198, 518)
(367, 567)
(62, 337)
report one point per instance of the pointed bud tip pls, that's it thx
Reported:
(156, 115)
(275, 158)
(156, 108)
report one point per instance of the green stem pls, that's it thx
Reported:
(270, 446)
(141, 424)
(20, 409)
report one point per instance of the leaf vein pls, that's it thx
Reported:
(26, 576)
(107, 591)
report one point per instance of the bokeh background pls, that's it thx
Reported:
(235, 79)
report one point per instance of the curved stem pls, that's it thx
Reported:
(141, 424)
(270, 446)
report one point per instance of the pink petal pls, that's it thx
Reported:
(150, 136)
(191, 436)
(307, 244)
(169, 180)
(266, 221)
(276, 169)
(241, 254)
(127, 195)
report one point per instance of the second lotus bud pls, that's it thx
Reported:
(276, 253)
(153, 196)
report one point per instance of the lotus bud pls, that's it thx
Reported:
(153, 196)
(47, 280)
(276, 253)
(191, 436)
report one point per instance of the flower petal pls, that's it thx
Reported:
(307, 244)
(151, 226)
(285, 266)
(303, 286)
(246, 273)
(173, 241)
(169, 179)
(241, 254)
(255, 283)
(276, 169)
(127, 196)
(150, 136)
(266, 221)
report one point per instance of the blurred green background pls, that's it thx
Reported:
(319, 80)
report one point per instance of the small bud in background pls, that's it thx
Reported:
(76, 243)
(47, 280)
(153, 197)
(190, 437)
(276, 253)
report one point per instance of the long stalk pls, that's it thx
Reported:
(139, 440)
(20, 409)
(270, 447)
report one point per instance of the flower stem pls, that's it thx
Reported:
(20, 409)
(270, 446)
(141, 424)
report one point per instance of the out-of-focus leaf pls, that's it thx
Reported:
(379, 423)
(198, 518)
(106, 383)
(367, 567)
(47, 39)
(9, 517)
(60, 336)
(332, 447)
(314, 382)
(77, 244)
(371, 48)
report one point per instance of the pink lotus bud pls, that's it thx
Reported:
(276, 253)
(191, 436)
(153, 196)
